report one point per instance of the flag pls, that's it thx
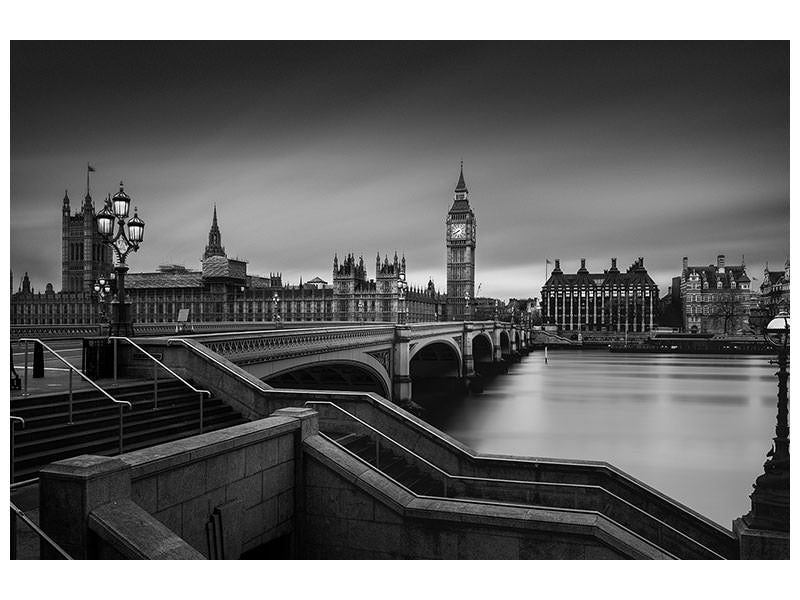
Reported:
(91, 168)
(548, 262)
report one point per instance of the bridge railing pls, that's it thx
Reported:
(274, 345)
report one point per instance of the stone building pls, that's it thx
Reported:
(460, 238)
(358, 298)
(775, 290)
(715, 298)
(223, 291)
(84, 256)
(607, 301)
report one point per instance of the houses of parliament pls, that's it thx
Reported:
(222, 290)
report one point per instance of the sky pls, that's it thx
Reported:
(571, 150)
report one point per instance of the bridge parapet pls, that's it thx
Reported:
(252, 347)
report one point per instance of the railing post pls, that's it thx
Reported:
(25, 390)
(155, 385)
(70, 397)
(13, 535)
(120, 429)
(115, 360)
(201, 412)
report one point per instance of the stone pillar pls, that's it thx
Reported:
(309, 425)
(497, 355)
(466, 351)
(651, 310)
(71, 489)
(760, 544)
(401, 379)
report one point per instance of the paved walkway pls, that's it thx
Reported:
(56, 378)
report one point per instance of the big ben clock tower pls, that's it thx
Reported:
(460, 238)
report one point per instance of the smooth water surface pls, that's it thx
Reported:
(695, 427)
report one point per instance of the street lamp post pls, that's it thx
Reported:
(276, 317)
(402, 288)
(770, 497)
(104, 288)
(361, 310)
(466, 306)
(123, 243)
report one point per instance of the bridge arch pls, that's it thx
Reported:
(482, 350)
(440, 357)
(505, 343)
(335, 374)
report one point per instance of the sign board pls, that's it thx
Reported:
(183, 315)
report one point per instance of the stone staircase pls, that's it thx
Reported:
(48, 436)
(390, 463)
(404, 469)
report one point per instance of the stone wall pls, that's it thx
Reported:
(220, 493)
(354, 512)
(183, 482)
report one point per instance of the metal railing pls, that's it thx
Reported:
(157, 363)
(17, 514)
(678, 537)
(72, 369)
(447, 476)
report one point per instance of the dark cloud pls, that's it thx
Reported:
(571, 149)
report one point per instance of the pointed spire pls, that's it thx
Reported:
(461, 186)
(214, 247)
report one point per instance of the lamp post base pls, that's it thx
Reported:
(760, 544)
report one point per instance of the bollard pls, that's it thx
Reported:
(38, 360)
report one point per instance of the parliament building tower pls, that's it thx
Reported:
(84, 256)
(460, 237)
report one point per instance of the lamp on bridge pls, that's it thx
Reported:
(466, 306)
(361, 310)
(104, 288)
(276, 317)
(402, 288)
(123, 243)
(770, 497)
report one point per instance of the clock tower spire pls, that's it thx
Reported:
(460, 241)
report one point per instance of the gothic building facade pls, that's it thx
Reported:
(715, 298)
(221, 290)
(84, 257)
(358, 298)
(460, 238)
(610, 301)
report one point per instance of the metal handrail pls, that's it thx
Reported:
(72, 369)
(157, 363)
(450, 476)
(383, 435)
(16, 513)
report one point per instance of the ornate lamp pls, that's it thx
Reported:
(122, 243)
(770, 497)
(402, 288)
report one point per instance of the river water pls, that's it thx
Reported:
(695, 427)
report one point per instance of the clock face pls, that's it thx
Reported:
(458, 231)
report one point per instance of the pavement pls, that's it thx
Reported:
(56, 378)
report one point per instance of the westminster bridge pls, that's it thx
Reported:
(382, 358)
